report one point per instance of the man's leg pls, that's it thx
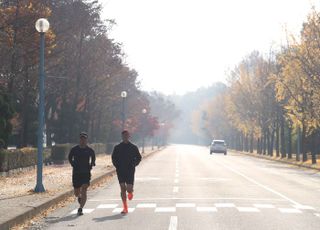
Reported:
(83, 195)
(123, 188)
(130, 191)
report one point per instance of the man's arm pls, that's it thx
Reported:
(93, 158)
(137, 157)
(115, 157)
(70, 157)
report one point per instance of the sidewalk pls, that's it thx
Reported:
(18, 202)
(292, 161)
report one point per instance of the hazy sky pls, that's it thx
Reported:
(181, 45)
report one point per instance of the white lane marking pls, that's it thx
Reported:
(207, 209)
(317, 214)
(224, 205)
(147, 178)
(177, 174)
(263, 206)
(259, 184)
(247, 209)
(185, 205)
(192, 198)
(165, 209)
(85, 210)
(176, 181)
(119, 210)
(289, 210)
(107, 206)
(173, 223)
(214, 179)
(304, 207)
(147, 205)
(175, 189)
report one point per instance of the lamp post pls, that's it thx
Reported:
(123, 115)
(144, 112)
(42, 26)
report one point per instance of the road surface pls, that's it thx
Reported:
(184, 187)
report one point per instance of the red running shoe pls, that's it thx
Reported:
(130, 195)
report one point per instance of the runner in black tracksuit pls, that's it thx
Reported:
(125, 158)
(82, 158)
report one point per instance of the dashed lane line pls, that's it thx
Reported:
(173, 223)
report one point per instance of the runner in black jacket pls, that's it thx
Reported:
(125, 158)
(82, 158)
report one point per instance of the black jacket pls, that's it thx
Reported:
(125, 157)
(82, 159)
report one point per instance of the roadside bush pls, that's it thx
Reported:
(20, 158)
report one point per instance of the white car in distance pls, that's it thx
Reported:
(218, 146)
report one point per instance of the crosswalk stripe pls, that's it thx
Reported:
(185, 205)
(119, 210)
(289, 210)
(207, 209)
(224, 205)
(147, 205)
(304, 207)
(85, 210)
(165, 209)
(263, 206)
(107, 206)
(247, 209)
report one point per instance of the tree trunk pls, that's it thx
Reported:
(277, 141)
(282, 139)
(289, 142)
(303, 144)
(272, 142)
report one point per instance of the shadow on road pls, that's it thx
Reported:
(53, 220)
(106, 218)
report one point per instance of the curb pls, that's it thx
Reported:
(37, 210)
(300, 165)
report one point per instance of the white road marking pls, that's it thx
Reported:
(263, 206)
(207, 209)
(259, 184)
(185, 205)
(165, 209)
(176, 181)
(173, 223)
(192, 198)
(177, 174)
(147, 205)
(85, 210)
(175, 189)
(317, 214)
(214, 179)
(119, 210)
(224, 205)
(147, 178)
(289, 210)
(247, 209)
(107, 206)
(304, 207)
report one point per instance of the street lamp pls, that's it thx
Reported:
(42, 26)
(124, 96)
(144, 112)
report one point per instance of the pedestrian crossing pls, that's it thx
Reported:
(201, 208)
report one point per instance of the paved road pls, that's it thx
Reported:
(183, 187)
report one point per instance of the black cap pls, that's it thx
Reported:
(84, 134)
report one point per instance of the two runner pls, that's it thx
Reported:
(125, 158)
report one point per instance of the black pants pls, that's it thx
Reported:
(80, 178)
(126, 176)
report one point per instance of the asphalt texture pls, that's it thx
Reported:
(184, 187)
